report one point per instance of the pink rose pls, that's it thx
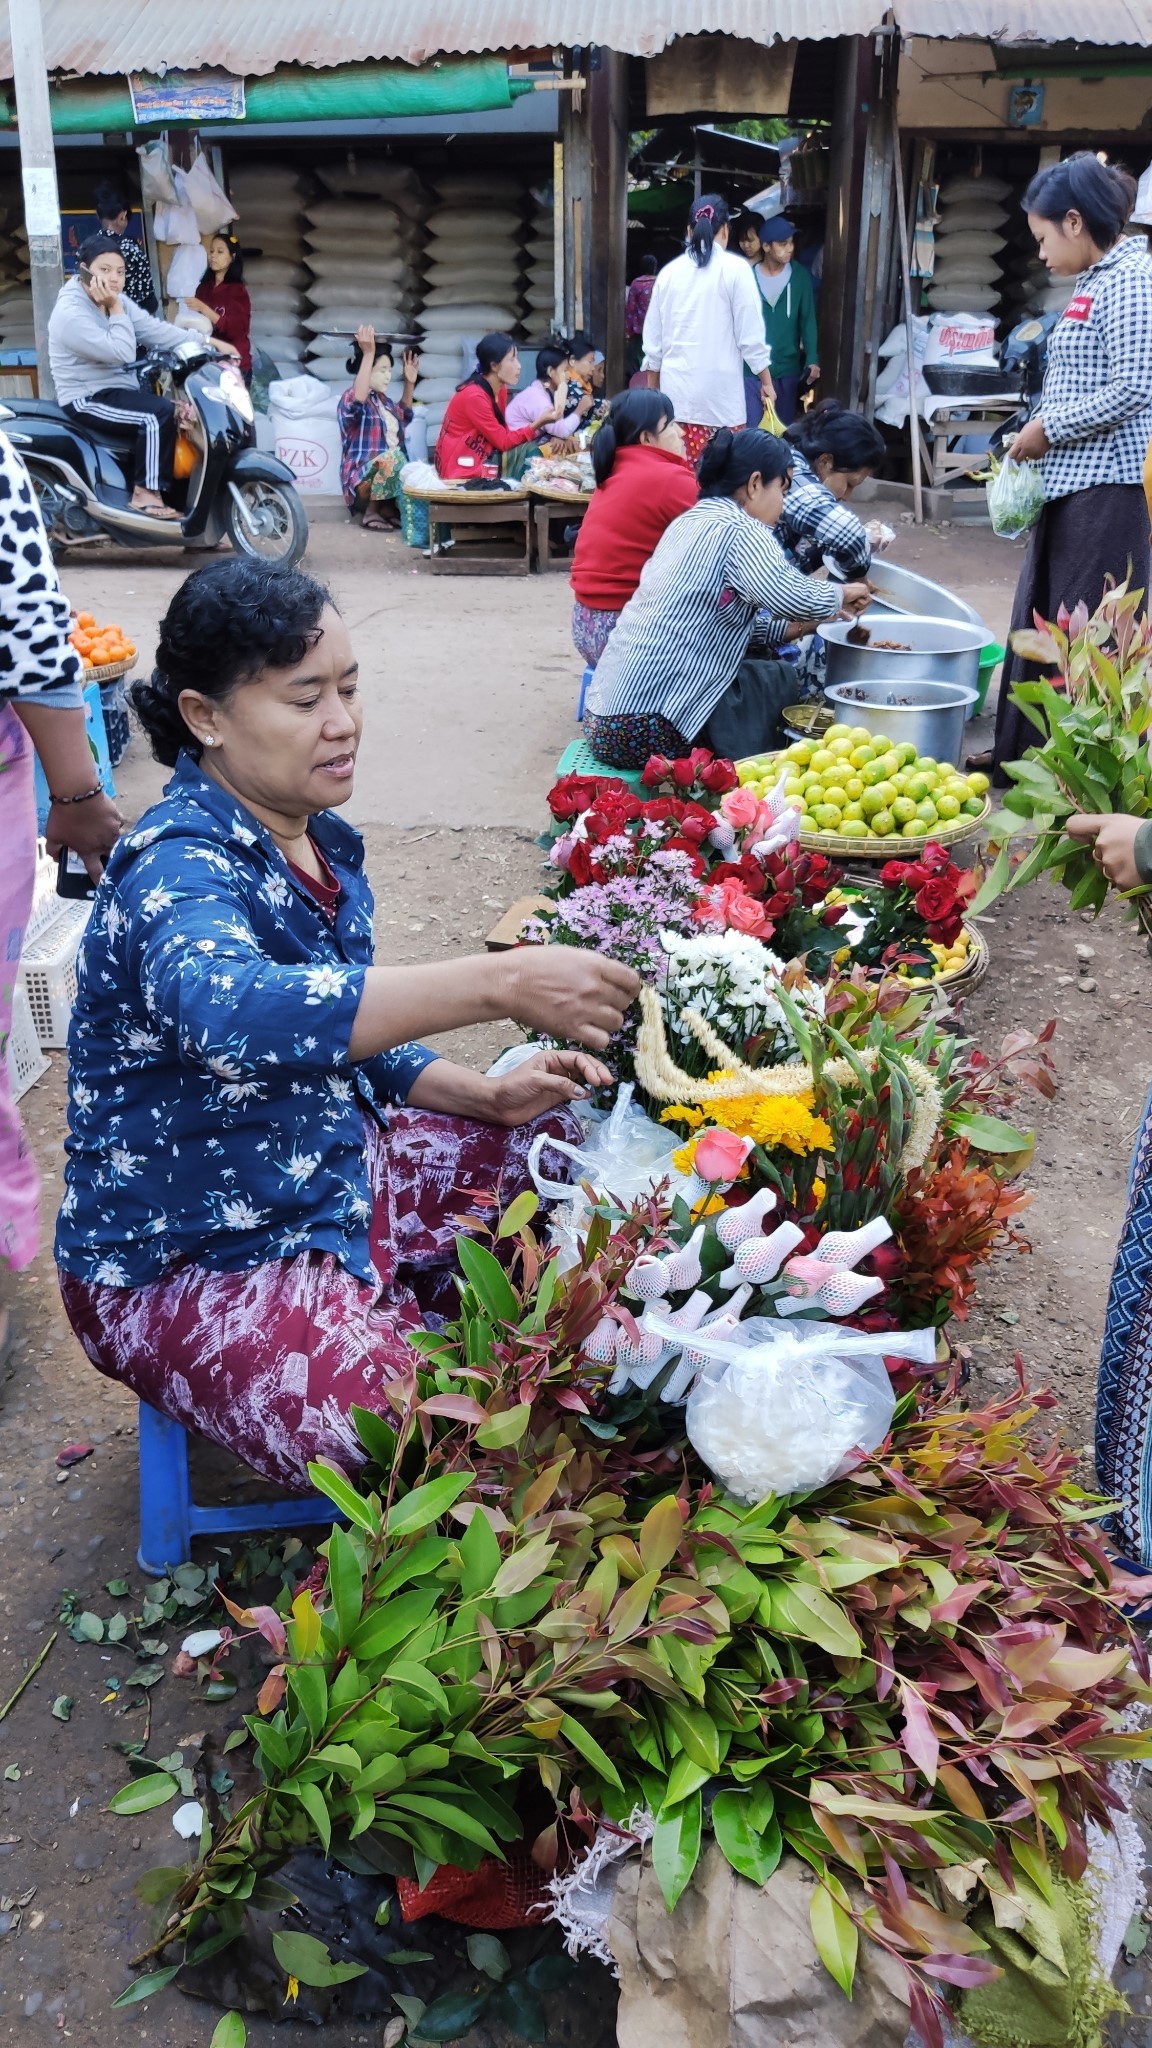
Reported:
(720, 1154)
(739, 807)
(743, 912)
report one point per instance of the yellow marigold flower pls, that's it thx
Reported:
(293, 1991)
(682, 1113)
(682, 1160)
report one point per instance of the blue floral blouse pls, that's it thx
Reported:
(214, 1115)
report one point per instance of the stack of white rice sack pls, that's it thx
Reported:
(971, 242)
(473, 281)
(270, 231)
(364, 236)
(540, 275)
(15, 295)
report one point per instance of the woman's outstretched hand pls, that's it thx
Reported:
(547, 1081)
(564, 992)
(1113, 840)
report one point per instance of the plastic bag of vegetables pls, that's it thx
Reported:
(1015, 493)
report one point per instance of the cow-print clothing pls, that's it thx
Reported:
(35, 654)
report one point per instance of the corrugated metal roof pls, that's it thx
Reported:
(250, 36)
(1024, 21)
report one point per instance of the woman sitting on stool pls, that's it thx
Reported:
(643, 483)
(266, 1171)
(670, 676)
(372, 451)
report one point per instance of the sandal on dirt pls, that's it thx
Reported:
(373, 523)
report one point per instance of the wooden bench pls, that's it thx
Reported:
(563, 509)
(457, 511)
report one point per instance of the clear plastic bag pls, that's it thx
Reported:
(625, 1155)
(786, 1408)
(1015, 493)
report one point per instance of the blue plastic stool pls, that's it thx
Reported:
(585, 686)
(169, 1517)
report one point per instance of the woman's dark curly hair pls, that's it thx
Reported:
(226, 624)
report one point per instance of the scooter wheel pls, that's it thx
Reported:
(270, 524)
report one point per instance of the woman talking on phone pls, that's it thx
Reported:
(94, 336)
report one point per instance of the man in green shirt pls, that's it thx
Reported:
(789, 312)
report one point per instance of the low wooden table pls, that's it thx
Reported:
(950, 420)
(562, 508)
(459, 509)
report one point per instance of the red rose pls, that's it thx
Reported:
(935, 858)
(743, 912)
(719, 776)
(696, 823)
(936, 900)
(580, 864)
(683, 773)
(893, 872)
(947, 930)
(833, 914)
(662, 810)
(656, 769)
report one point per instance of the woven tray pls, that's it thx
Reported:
(446, 496)
(842, 847)
(111, 671)
(555, 497)
(806, 720)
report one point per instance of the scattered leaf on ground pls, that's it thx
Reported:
(62, 1707)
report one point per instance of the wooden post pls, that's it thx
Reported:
(606, 225)
(906, 278)
(38, 172)
(856, 76)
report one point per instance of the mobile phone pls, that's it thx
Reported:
(72, 877)
(83, 273)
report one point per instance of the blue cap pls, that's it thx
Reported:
(778, 229)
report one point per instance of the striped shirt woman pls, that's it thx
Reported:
(681, 639)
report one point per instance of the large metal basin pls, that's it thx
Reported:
(931, 715)
(903, 590)
(939, 651)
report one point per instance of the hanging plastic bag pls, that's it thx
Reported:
(156, 183)
(624, 1156)
(1015, 494)
(783, 1408)
(771, 422)
(208, 199)
(185, 271)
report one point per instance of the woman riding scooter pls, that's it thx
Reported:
(94, 335)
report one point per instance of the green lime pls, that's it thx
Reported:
(840, 748)
(881, 822)
(926, 812)
(854, 787)
(870, 803)
(916, 787)
(887, 792)
(912, 830)
(978, 784)
(871, 773)
(853, 828)
(947, 808)
(973, 806)
(833, 794)
(903, 809)
(907, 753)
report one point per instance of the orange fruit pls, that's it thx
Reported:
(85, 619)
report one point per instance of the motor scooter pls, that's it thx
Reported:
(233, 488)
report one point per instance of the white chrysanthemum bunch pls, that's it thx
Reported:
(732, 981)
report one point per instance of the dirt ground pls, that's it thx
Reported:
(470, 690)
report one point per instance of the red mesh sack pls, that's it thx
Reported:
(494, 1895)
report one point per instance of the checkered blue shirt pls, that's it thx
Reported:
(815, 528)
(1096, 403)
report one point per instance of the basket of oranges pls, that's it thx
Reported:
(105, 651)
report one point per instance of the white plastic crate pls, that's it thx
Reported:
(46, 904)
(48, 971)
(26, 1062)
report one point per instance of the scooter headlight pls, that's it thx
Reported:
(234, 390)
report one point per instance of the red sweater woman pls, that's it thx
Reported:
(223, 296)
(643, 483)
(474, 432)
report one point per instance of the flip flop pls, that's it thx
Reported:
(372, 523)
(165, 512)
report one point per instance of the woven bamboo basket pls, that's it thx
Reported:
(964, 979)
(807, 720)
(111, 671)
(841, 847)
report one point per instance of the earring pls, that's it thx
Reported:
(208, 740)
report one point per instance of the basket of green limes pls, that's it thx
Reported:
(862, 796)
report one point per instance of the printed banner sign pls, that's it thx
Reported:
(185, 96)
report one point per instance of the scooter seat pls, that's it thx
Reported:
(39, 408)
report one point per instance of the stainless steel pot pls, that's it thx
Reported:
(931, 715)
(939, 651)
